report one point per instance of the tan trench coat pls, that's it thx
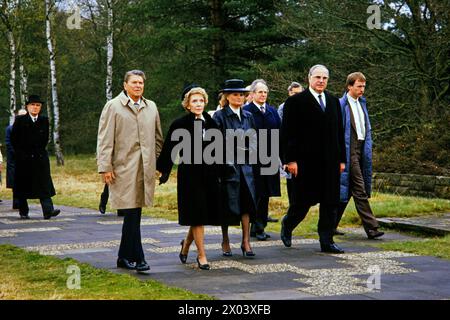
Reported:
(129, 142)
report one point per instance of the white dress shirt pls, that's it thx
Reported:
(358, 115)
(316, 96)
(260, 106)
(236, 111)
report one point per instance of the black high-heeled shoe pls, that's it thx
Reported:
(183, 257)
(203, 266)
(247, 253)
(226, 253)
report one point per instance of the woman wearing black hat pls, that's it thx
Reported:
(238, 182)
(197, 182)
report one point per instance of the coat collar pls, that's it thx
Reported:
(229, 113)
(312, 98)
(124, 99)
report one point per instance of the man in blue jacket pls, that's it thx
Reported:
(356, 180)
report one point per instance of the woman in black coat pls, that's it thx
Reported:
(238, 179)
(197, 182)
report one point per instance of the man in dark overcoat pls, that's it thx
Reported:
(267, 118)
(314, 153)
(32, 180)
(10, 158)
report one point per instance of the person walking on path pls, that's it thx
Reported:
(356, 180)
(238, 180)
(198, 189)
(32, 179)
(128, 144)
(314, 153)
(10, 158)
(266, 118)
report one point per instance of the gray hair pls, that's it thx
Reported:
(295, 85)
(134, 73)
(256, 83)
(317, 66)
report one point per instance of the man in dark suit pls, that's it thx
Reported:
(32, 180)
(266, 117)
(356, 180)
(312, 140)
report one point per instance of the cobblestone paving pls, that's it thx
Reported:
(299, 272)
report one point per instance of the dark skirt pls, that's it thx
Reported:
(246, 205)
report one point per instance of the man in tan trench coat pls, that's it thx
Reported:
(129, 142)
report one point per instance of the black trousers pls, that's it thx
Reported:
(130, 244)
(104, 196)
(46, 204)
(299, 208)
(262, 213)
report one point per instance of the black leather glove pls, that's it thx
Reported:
(164, 177)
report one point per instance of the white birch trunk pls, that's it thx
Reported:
(56, 137)
(23, 84)
(110, 51)
(12, 75)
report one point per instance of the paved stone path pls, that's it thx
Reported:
(437, 224)
(279, 273)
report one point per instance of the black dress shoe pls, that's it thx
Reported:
(331, 248)
(286, 236)
(270, 219)
(262, 236)
(183, 257)
(142, 266)
(24, 217)
(125, 264)
(336, 232)
(205, 266)
(374, 233)
(54, 213)
(102, 208)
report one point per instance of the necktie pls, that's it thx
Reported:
(263, 110)
(136, 105)
(322, 105)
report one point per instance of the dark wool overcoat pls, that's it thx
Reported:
(198, 189)
(29, 139)
(315, 140)
(237, 175)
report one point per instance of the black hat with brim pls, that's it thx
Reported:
(34, 99)
(234, 85)
(188, 88)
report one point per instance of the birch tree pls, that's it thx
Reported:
(109, 50)
(48, 32)
(23, 83)
(7, 8)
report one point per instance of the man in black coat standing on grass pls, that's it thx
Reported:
(314, 153)
(32, 178)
